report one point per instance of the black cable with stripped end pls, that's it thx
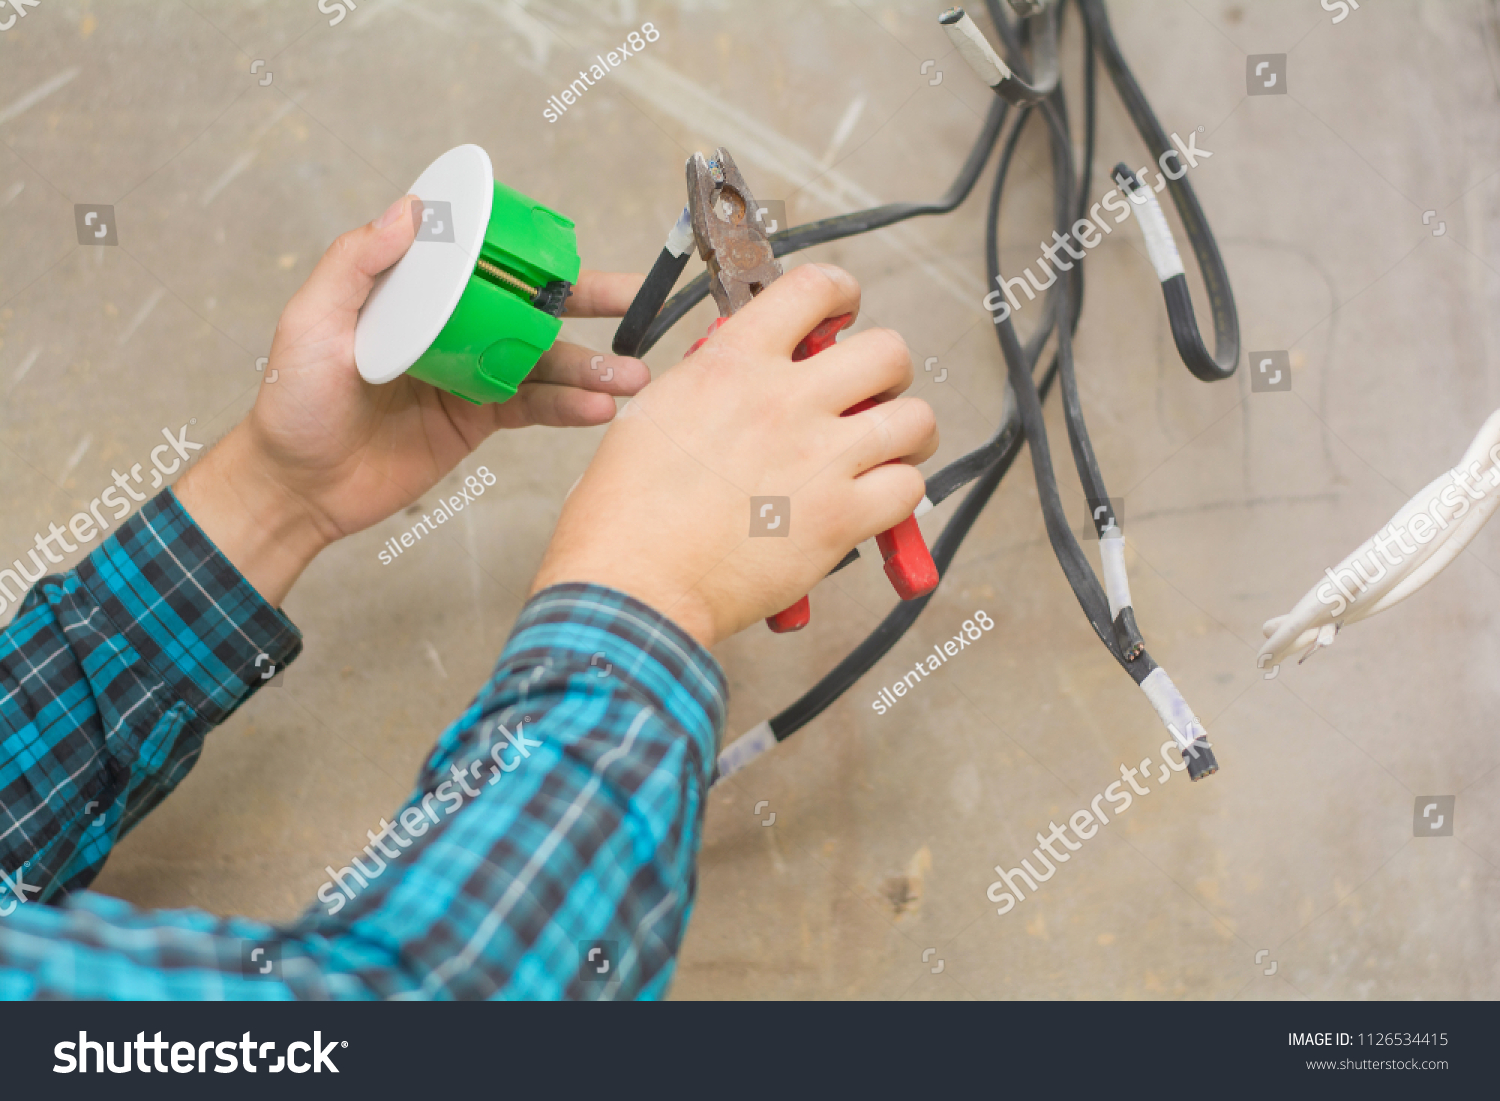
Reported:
(630, 337)
(1221, 363)
(976, 50)
(1109, 614)
(1114, 621)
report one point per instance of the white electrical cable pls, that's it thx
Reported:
(1416, 545)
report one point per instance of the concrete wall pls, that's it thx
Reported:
(887, 828)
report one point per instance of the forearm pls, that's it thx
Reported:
(563, 808)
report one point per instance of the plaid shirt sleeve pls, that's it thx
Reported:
(110, 677)
(562, 812)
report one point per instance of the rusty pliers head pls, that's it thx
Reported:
(729, 231)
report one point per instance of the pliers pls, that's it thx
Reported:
(731, 237)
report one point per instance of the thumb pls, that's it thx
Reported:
(345, 276)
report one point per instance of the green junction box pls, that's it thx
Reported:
(526, 268)
(479, 295)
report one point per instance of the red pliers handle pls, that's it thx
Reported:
(908, 562)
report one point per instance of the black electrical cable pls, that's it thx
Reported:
(1226, 355)
(1118, 633)
(1130, 647)
(1065, 546)
(646, 304)
(964, 469)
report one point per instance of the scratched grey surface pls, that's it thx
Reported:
(887, 828)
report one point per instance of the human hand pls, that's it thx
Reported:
(663, 511)
(324, 454)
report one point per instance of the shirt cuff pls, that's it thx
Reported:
(186, 610)
(610, 633)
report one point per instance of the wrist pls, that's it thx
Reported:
(683, 606)
(263, 528)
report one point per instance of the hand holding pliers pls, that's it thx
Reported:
(731, 237)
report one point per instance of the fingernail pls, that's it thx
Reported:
(390, 216)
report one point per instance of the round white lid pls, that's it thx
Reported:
(416, 295)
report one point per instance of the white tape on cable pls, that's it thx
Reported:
(1173, 710)
(680, 239)
(1159, 244)
(1116, 584)
(976, 50)
(744, 749)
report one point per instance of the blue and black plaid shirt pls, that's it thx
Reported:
(113, 674)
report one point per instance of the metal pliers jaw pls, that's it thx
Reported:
(729, 231)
